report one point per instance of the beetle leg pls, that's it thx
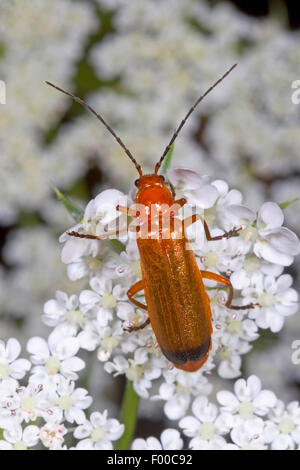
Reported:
(137, 287)
(130, 329)
(97, 237)
(228, 234)
(134, 289)
(104, 235)
(194, 218)
(172, 189)
(181, 201)
(226, 282)
(127, 211)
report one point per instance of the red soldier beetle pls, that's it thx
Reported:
(176, 300)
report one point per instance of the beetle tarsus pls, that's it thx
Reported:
(130, 329)
(232, 232)
(80, 235)
(243, 307)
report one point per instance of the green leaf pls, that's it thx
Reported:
(167, 160)
(117, 246)
(74, 211)
(128, 416)
(285, 204)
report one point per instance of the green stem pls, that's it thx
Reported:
(167, 161)
(128, 417)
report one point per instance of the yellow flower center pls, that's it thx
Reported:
(136, 268)
(246, 410)
(52, 365)
(28, 404)
(235, 326)
(180, 389)
(251, 264)
(207, 430)
(94, 264)
(210, 216)
(286, 425)
(21, 445)
(249, 234)
(211, 259)
(109, 343)
(108, 301)
(4, 370)
(98, 434)
(224, 354)
(134, 372)
(266, 299)
(75, 317)
(65, 402)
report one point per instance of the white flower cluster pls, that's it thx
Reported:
(42, 411)
(254, 260)
(248, 419)
(38, 41)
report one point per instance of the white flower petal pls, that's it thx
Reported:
(228, 400)
(270, 216)
(38, 347)
(13, 349)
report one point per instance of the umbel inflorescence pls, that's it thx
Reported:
(40, 402)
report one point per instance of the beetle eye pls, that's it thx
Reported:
(136, 182)
(162, 177)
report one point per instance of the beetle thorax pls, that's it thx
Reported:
(153, 191)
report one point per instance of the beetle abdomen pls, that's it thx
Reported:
(189, 360)
(181, 357)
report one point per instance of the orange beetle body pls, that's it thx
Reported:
(177, 303)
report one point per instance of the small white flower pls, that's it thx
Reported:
(63, 310)
(284, 430)
(70, 402)
(197, 189)
(102, 210)
(107, 338)
(228, 211)
(18, 439)
(169, 440)
(102, 300)
(250, 435)
(98, 432)
(206, 427)
(34, 401)
(128, 263)
(9, 402)
(82, 256)
(52, 435)
(277, 299)
(58, 356)
(10, 366)
(276, 244)
(177, 389)
(249, 400)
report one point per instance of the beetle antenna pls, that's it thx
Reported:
(157, 166)
(98, 116)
